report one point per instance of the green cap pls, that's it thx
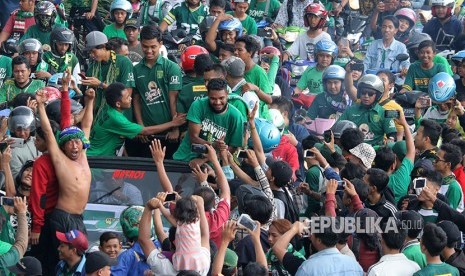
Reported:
(230, 258)
(399, 148)
(324, 150)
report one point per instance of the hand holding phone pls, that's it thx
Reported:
(82, 75)
(328, 135)
(242, 154)
(245, 221)
(8, 201)
(170, 197)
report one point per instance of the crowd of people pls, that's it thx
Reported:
(313, 153)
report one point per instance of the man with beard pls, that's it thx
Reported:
(212, 121)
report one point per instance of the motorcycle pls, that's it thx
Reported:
(355, 23)
(173, 39)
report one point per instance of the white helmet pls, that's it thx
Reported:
(277, 118)
(251, 99)
(444, 3)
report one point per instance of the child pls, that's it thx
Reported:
(419, 73)
(120, 11)
(248, 23)
(110, 244)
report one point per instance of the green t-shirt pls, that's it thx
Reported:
(314, 178)
(275, 266)
(239, 103)
(228, 125)
(189, 93)
(371, 121)
(154, 85)
(9, 90)
(400, 179)
(117, 69)
(6, 70)
(442, 269)
(452, 190)
(429, 215)
(413, 252)
(10, 258)
(185, 18)
(418, 78)
(7, 233)
(312, 79)
(108, 132)
(248, 24)
(257, 9)
(60, 64)
(322, 108)
(35, 32)
(187, 79)
(257, 75)
(442, 60)
(111, 31)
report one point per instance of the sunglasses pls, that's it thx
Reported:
(438, 159)
(367, 92)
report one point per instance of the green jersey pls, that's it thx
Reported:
(60, 64)
(442, 60)
(312, 79)
(81, 3)
(314, 178)
(191, 92)
(257, 9)
(154, 85)
(187, 79)
(117, 69)
(327, 106)
(429, 215)
(371, 121)
(186, 18)
(452, 190)
(5, 69)
(111, 31)
(108, 132)
(239, 103)
(227, 125)
(275, 266)
(442, 269)
(258, 76)
(35, 32)
(9, 89)
(249, 25)
(8, 232)
(400, 179)
(418, 78)
(413, 252)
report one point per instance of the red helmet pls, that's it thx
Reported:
(270, 50)
(189, 55)
(318, 10)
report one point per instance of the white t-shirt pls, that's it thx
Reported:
(304, 46)
(393, 264)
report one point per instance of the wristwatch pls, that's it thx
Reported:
(101, 85)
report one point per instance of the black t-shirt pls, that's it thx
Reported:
(292, 263)
(459, 87)
(245, 250)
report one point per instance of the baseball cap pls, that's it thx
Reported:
(399, 148)
(97, 260)
(235, 67)
(74, 237)
(132, 22)
(94, 39)
(364, 152)
(230, 258)
(452, 231)
(241, 1)
(28, 265)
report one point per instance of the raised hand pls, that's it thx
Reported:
(158, 152)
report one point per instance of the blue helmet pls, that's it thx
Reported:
(231, 25)
(441, 87)
(334, 72)
(269, 135)
(458, 57)
(326, 46)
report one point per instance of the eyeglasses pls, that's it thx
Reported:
(367, 92)
(438, 159)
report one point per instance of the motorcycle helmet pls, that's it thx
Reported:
(326, 46)
(371, 81)
(408, 14)
(270, 50)
(334, 72)
(206, 24)
(45, 14)
(231, 25)
(52, 93)
(441, 87)
(55, 80)
(251, 98)
(121, 5)
(31, 45)
(129, 220)
(443, 3)
(268, 133)
(458, 57)
(276, 118)
(9, 47)
(340, 126)
(53, 109)
(21, 117)
(189, 55)
(61, 35)
(318, 10)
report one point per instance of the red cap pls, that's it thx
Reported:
(74, 237)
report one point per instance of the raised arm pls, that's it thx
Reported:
(280, 247)
(158, 225)
(257, 144)
(221, 180)
(349, 84)
(10, 188)
(86, 123)
(408, 139)
(65, 103)
(145, 235)
(52, 145)
(204, 229)
(158, 155)
(229, 233)
(259, 253)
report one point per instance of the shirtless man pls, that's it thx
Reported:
(71, 167)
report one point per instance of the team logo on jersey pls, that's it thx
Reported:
(130, 77)
(174, 80)
(153, 93)
(159, 74)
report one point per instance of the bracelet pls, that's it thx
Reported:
(101, 85)
(253, 128)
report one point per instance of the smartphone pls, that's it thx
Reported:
(17, 142)
(211, 179)
(246, 222)
(308, 154)
(341, 185)
(265, 59)
(419, 184)
(4, 200)
(170, 197)
(3, 146)
(242, 154)
(392, 114)
(199, 148)
(82, 75)
(425, 102)
(327, 135)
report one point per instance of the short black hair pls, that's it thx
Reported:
(208, 196)
(115, 43)
(412, 221)
(327, 236)
(432, 130)
(284, 104)
(21, 99)
(185, 210)
(150, 32)
(40, 131)
(109, 235)
(251, 45)
(393, 19)
(352, 171)
(427, 43)
(20, 60)
(202, 62)
(310, 141)
(394, 237)
(114, 93)
(389, 74)
(351, 138)
(434, 239)
(227, 47)
(259, 208)
(459, 143)
(188, 273)
(218, 68)
(254, 269)
(452, 154)
(378, 178)
(361, 188)
(384, 158)
(218, 3)
(217, 85)
(434, 177)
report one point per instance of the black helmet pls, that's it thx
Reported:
(31, 45)
(45, 14)
(53, 109)
(9, 47)
(62, 35)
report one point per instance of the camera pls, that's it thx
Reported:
(341, 185)
(419, 184)
(245, 221)
(327, 135)
(308, 154)
(199, 148)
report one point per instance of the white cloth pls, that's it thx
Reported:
(393, 264)
(304, 46)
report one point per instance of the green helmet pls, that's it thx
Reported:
(129, 220)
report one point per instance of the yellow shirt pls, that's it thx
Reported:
(393, 105)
